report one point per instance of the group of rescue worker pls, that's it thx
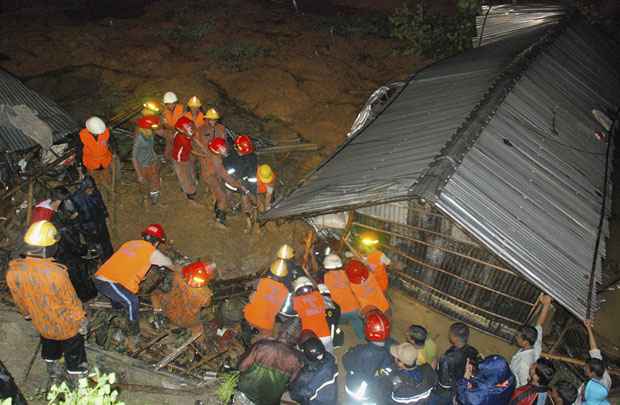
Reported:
(192, 137)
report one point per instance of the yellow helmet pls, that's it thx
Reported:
(285, 252)
(42, 234)
(279, 268)
(194, 102)
(153, 106)
(212, 114)
(369, 239)
(265, 174)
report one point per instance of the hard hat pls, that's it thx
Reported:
(324, 290)
(149, 122)
(265, 174)
(212, 114)
(376, 326)
(194, 102)
(198, 274)
(170, 98)
(218, 145)
(152, 106)
(311, 346)
(154, 233)
(95, 125)
(302, 285)
(279, 268)
(185, 125)
(357, 272)
(285, 252)
(369, 238)
(332, 261)
(243, 144)
(42, 234)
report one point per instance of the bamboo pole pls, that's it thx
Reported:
(440, 270)
(567, 327)
(176, 352)
(30, 197)
(464, 256)
(114, 197)
(577, 362)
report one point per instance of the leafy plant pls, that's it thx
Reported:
(7, 401)
(227, 389)
(100, 394)
(238, 56)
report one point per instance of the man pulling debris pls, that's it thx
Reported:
(172, 112)
(119, 278)
(182, 157)
(188, 295)
(41, 289)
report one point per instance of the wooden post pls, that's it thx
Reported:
(114, 198)
(30, 197)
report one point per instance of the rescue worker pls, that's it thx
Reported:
(267, 300)
(287, 253)
(45, 210)
(188, 295)
(145, 160)
(412, 383)
(339, 286)
(376, 260)
(268, 367)
(119, 278)
(182, 157)
(316, 383)
(42, 291)
(213, 128)
(173, 110)
(365, 287)
(94, 151)
(370, 365)
(92, 215)
(309, 305)
(194, 112)
(265, 187)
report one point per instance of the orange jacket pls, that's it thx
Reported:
(376, 264)
(182, 304)
(340, 290)
(198, 121)
(171, 117)
(128, 265)
(370, 293)
(265, 303)
(42, 289)
(311, 310)
(96, 152)
(262, 187)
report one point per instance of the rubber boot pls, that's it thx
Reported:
(55, 373)
(154, 197)
(74, 376)
(220, 217)
(134, 338)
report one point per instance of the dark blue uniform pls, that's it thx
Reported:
(368, 368)
(316, 383)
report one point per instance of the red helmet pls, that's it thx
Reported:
(218, 145)
(357, 272)
(184, 124)
(154, 233)
(198, 274)
(148, 122)
(243, 144)
(376, 326)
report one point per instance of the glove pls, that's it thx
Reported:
(83, 327)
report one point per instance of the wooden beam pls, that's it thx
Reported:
(299, 147)
(176, 352)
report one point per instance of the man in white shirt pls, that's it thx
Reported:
(529, 340)
(594, 368)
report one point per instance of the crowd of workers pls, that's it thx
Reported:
(293, 317)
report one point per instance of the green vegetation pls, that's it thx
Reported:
(227, 389)
(436, 36)
(238, 56)
(100, 394)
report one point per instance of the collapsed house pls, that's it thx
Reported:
(486, 174)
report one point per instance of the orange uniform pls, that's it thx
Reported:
(96, 153)
(199, 120)
(369, 293)
(340, 290)
(128, 265)
(377, 262)
(311, 310)
(265, 303)
(182, 304)
(42, 289)
(262, 187)
(171, 117)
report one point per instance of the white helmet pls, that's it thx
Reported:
(332, 261)
(170, 98)
(302, 285)
(95, 125)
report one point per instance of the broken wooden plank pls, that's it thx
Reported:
(149, 344)
(299, 147)
(177, 352)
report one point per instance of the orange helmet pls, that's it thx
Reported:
(243, 144)
(357, 272)
(218, 145)
(198, 274)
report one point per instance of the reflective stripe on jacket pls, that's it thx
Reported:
(96, 153)
(128, 265)
(42, 289)
(265, 303)
(311, 310)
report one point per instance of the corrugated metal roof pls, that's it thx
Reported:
(13, 92)
(518, 167)
(382, 161)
